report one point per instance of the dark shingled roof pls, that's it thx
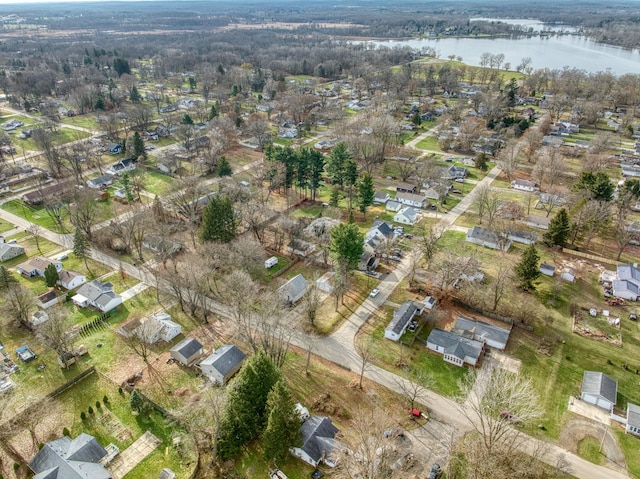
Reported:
(454, 344)
(633, 415)
(317, 435)
(65, 458)
(599, 384)
(187, 347)
(402, 316)
(225, 359)
(480, 331)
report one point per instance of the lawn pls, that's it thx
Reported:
(157, 183)
(429, 143)
(114, 423)
(84, 121)
(589, 449)
(34, 214)
(60, 137)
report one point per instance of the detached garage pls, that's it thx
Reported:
(599, 389)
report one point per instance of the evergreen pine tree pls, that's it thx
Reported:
(224, 168)
(334, 200)
(244, 415)
(213, 112)
(138, 146)
(527, 269)
(218, 220)
(134, 95)
(283, 423)
(6, 278)
(50, 276)
(365, 193)
(186, 119)
(559, 229)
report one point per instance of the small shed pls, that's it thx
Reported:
(324, 282)
(547, 269)
(429, 302)
(599, 389)
(187, 351)
(293, 290)
(568, 274)
(271, 262)
(222, 364)
(633, 419)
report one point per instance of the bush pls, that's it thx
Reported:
(65, 432)
(90, 410)
(83, 416)
(105, 400)
(98, 405)
(16, 466)
(119, 390)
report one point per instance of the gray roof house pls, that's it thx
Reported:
(187, 351)
(36, 266)
(293, 290)
(411, 199)
(318, 441)
(97, 294)
(392, 206)
(401, 319)
(368, 261)
(406, 216)
(9, 251)
(381, 197)
(222, 364)
(455, 172)
(489, 334)
(455, 348)
(67, 458)
(627, 284)
(633, 419)
(599, 389)
(100, 182)
(524, 237)
(487, 238)
(547, 269)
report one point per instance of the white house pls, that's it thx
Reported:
(569, 275)
(38, 317)
(9, 251)
(392, 206)
(71, 279)
(599, 389)
(486, 333)
(168, 329)
(97, 294)
(411, 199)
(381, 197)
(36, 266)
(547, 269)
(401, 319)
(122, 166)
(525, 185)
(293, 290)
(100, 182)
(324, 282)
(454, 348)
(429, 302)
(318, 442)
(222, 364)
(627, 282)
(406, 216)
(487, 238)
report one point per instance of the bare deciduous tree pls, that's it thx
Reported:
(20, 302)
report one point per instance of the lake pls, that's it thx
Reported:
(550, 51)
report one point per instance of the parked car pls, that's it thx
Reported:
(374, 292)
(459, 180)
(413, 326)
(632, 316)
(436, 472)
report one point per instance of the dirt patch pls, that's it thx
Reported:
(576, 429)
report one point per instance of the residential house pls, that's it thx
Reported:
(368, 262)
(54, 191)
(406, 188)
(71, 279)
(301, 247)
(489, 334)
(318, 442)
(406, 216)
(411, 199)
(122, 166)
(488, 238)
(401, 319)
(393, 206)
(36, 266)
(10, 250)
(293, 290)
(547, 269)
(524, 237)
(455, 349)
(381, 197)
(455, 173)
(627, 282)
(525, 185)
(222, 364)
(151, 329)
(553, 141)
(599, 389)
(11, 125)
(549, 199)
(47, 299)
(187, 351)
(97, 294)
(100, 182)
(376, 238)
(67, 458)
(536, 221)
(169, 328)
(633, 419)
(113, 148)
(324, 282)
(167, 165)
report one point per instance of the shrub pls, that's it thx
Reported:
(83, 416)
(90, 410)
(16, 466)
(119, 390)
(98, 405)
(65, 432)
(105, 400)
